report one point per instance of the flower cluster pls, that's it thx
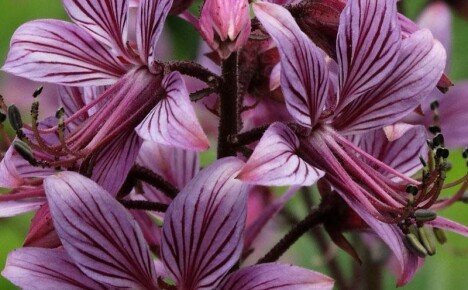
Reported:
(346, 97)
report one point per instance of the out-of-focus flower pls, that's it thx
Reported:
(225, 25)
(104, 247)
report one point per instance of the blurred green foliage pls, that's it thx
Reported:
(446, 270)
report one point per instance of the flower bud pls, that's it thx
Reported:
(225, 25)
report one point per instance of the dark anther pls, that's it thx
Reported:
(25, 152)
(438, 140)
(434, 129)
(14, 116)
(423, 162)
(424, 215)
(412, 189)
(442, 152)
(2, 116)
(434, 105)
(37, 92)
(440, 235)
(465, 153)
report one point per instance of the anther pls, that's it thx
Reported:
(23, 149)
(465, 153)
(442, 153)
(14, 116)
(3, 116)
(464, 198)
(424, 215)
(416, 245)
(37, 92)
(438, 140)
(434, 105)
(434, 129)
(440, 235)
(412, 189)
(423, 162)
(426, 241)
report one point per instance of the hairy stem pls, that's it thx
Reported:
(146, 175)
(229, 108)
(144, 205)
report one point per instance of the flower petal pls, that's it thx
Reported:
(106, 21)
(275, 161)
(203, 226)
(401, 154)
(59, 52)
(367, 46)
(101, 236)
(173, 121)
(417, 71)
(446, 224)
(277, 276)
(304, 74)
(35, 268)
(150, 22)
(115, 160)
(41, 232)
(175, 165)
(15, 207)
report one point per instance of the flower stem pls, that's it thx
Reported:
(146, 175)
(314, 218)
(229, 108)
(144, 205)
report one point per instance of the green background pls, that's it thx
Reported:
(446, 270)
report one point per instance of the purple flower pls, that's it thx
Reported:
(104, 247)
(143, 100)
(381, 78)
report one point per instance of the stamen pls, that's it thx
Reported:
(14, 116)
(424, 215)
(426, 241)
(416, 245)
(440, 235)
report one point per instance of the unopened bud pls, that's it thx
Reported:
(14, 116)
(438, 140)
(416, 245)
(225, 25)
(434, 129)
(424, 215)
(426, 241)
(440, 235)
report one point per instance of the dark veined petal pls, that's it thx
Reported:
(275, 161)
(115, 160)
(106, 20)
(401, 154)
(277, 276)
(367, 46)
(52, 269)
(150, 22)
(304, 74)
(15, 207)
(417, 71)
(98, 233)
(175, 165)
(59, 52)
(173, 121)
(203, 226)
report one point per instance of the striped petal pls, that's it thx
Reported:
(15, 207)
(173, 121)
(175, 165)
(150, 22)
(106, 21)
(304, 74)
(277, 276)
(203, 226)
(35, 268)
(367, 46)
(417, 71)
(98, 233)
(59, 52)
(115, 160)
(275, 161)
(401, 154)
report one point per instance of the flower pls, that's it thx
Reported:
(143, 101)
(104, 247)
